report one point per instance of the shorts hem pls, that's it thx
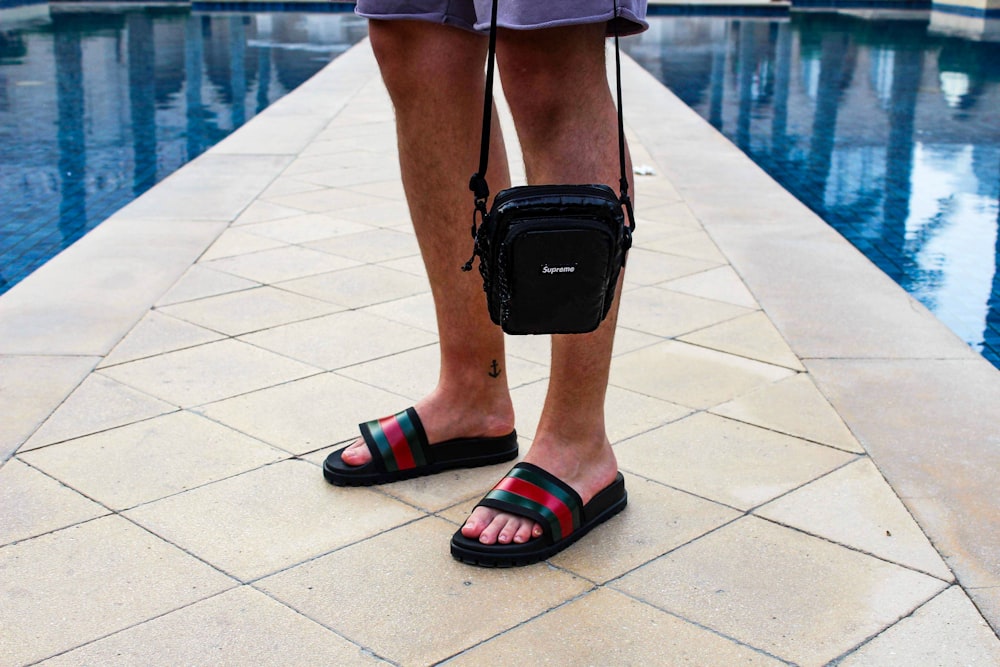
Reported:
(629, 23)
(430, 17)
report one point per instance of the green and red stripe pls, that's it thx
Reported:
(531, 489)
(398, 440)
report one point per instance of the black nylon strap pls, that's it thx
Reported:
(478, 183)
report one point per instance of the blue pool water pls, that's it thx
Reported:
(98, 103)
(888, 129)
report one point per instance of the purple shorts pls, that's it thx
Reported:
(516, 14)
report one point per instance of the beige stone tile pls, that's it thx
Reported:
(305, 415)
(271, 518)
(31, 388)
(419, 606)
(411, 373)
(626, 412)
(694, 244)
(371, 246)
(317, 457)
(238, 627)
(690, 375)
(281, 187)
(151, 459)
(797, 597)
(350, 132)
(208, 373)
(657, 520)
(327, 200)
(380, 213)
(929, 426)
(305, 228)
(371, 176)
(607, 628)
(76, 585)
(855, 506)
(199, 282)
(660, 199)
(84, 300)
(412, 265)
(335, 146)
(325, 169)
(827, 299)
(380, 114)
(389, 189)
(342, 339)
(655, 186)
(737, 464)
(752, 336)
(212, 187)
(721, 284)
(988, 602)
(32, 503)
(660, 221)
(272, 133)
(413, 311)
(359, 286)
(628, 340)
(533, 348)
(250, 310)
(796, 407)
(664, 313)
(155, 334)
(237, 241)
(948, 630)
(98, 404)
(261, 210)
(272, 266)
(646, 267)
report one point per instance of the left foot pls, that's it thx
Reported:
(587, 471)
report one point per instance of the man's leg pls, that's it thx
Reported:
(435, 77)
(554, 81)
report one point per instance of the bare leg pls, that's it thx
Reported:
(567, 126)
(435, 78)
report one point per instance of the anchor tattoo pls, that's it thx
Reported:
(494, 369)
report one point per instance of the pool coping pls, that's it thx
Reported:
(915, 396)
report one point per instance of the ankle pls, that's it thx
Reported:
(586, 466)
(470, 413)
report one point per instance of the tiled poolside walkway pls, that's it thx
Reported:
(171, 383)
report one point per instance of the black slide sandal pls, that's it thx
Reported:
(531, 492)
(399, 449)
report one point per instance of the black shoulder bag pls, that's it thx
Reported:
(549, 255)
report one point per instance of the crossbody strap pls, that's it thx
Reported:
(478, 183)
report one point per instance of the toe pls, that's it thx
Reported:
(490, 533)
(477, 522)
(509, 532)
(525, 532)
(356, 454)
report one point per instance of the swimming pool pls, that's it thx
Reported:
(886, 129)
(883, 128)
(99, 102)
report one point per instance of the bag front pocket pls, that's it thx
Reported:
(556, 274)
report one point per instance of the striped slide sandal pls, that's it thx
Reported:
(399, 449)
(531, 492)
